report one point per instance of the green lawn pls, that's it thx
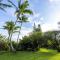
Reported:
(43, 54)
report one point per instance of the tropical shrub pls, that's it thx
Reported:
(3, 46)
(32, 42)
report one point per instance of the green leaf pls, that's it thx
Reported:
(27, 11)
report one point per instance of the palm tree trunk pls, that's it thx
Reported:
(19, 33)
(11, 46)
(16, 22)
(21, 23)
(9, 41)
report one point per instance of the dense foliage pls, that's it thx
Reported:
(32, 42)
(38, 40)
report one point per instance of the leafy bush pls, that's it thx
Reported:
(15, 44)
(3, 43)
(32, 42)
(3, 46)
(51, 42)
(25, 44)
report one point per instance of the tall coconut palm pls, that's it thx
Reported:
(17, 10)
(3, 6)
(11, 28)
(20, 12)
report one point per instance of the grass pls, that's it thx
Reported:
(43, 54)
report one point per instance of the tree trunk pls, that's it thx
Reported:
(11, 48)
(16, 21)
(19, 33)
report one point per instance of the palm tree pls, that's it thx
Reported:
(17, 11)
(11, 28)
(23, 9)
(20, 12)
(3, 6)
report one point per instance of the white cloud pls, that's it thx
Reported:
(52, 23)
(54, 17)
(50, 0)
(26, 30)
(49, 27)
(41, 18)
(54, 0)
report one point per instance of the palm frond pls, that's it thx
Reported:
(22, 19)
(2, 9)
(19, 3)
(27, 11)
(5, 5)
(24, 5)
(15, 31)
(17, 27)
(13, 4)
(17, 13)
(6, 27)
(1, 0)
(1, 28)
(10, 26)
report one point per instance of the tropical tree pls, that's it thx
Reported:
(3, 6)
(11, 28)
(37, 29)
(23, 9)
(21, 13)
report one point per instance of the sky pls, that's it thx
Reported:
(45, 12)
